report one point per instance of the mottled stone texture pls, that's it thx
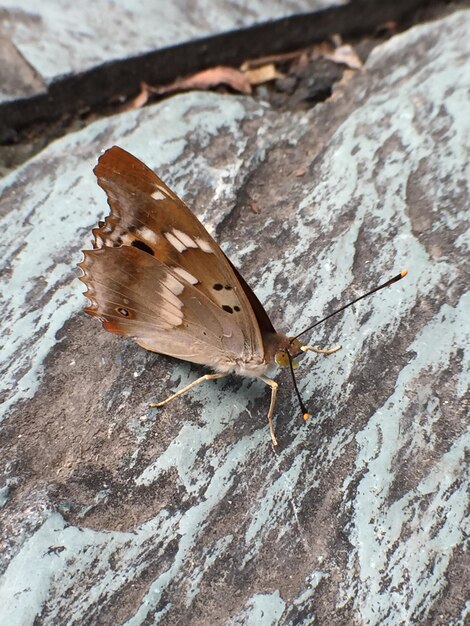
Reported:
(114, 513)
(64, 58)
(59, 37)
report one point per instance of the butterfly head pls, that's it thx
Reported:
(294, 349)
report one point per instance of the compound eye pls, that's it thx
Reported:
(281, 358)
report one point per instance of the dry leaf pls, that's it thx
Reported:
(263, 74)
(254, 207)
(322, 49)
(141, 99)
(137, 102)
(221, 75)
(299, 172)
(345, 55)
(272, 58)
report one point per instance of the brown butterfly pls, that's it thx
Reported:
(156, 275)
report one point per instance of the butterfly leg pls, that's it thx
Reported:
(320, 350)
(187, 388)
(274, 387)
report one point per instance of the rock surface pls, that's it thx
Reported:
(114, 513)
(63, 58)
(64, 37)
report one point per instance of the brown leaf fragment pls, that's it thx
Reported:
(263, 74)
(345, 55)
(137, 102)
(272, 58)
(299, 172)
(322, 49)
(141, 99)
(220, 75)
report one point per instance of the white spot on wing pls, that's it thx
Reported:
(184, 238)
(158, 195)
(204, 245)
(127, 239)
(148, 234)
(186, 275)
(174, 319)
(175, 242)
(174, 286)
(171, 304)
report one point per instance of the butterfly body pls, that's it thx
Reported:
(156, 275)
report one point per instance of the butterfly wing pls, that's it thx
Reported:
(134, 294)
(158, 276)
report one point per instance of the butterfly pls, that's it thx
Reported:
(155, 274)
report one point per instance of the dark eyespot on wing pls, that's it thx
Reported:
(218, 286)
(228, 286)
(142, 246)
(227, 308)
(122, 311)
(236, 308)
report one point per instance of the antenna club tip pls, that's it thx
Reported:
(403, 273)
(307, 416)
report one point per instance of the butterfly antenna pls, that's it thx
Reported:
(305, 413)
(369, 293)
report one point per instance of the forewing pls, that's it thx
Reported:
(146, 215)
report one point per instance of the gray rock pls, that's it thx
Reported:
(66, 37)
(64, 58)
(116, 513)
